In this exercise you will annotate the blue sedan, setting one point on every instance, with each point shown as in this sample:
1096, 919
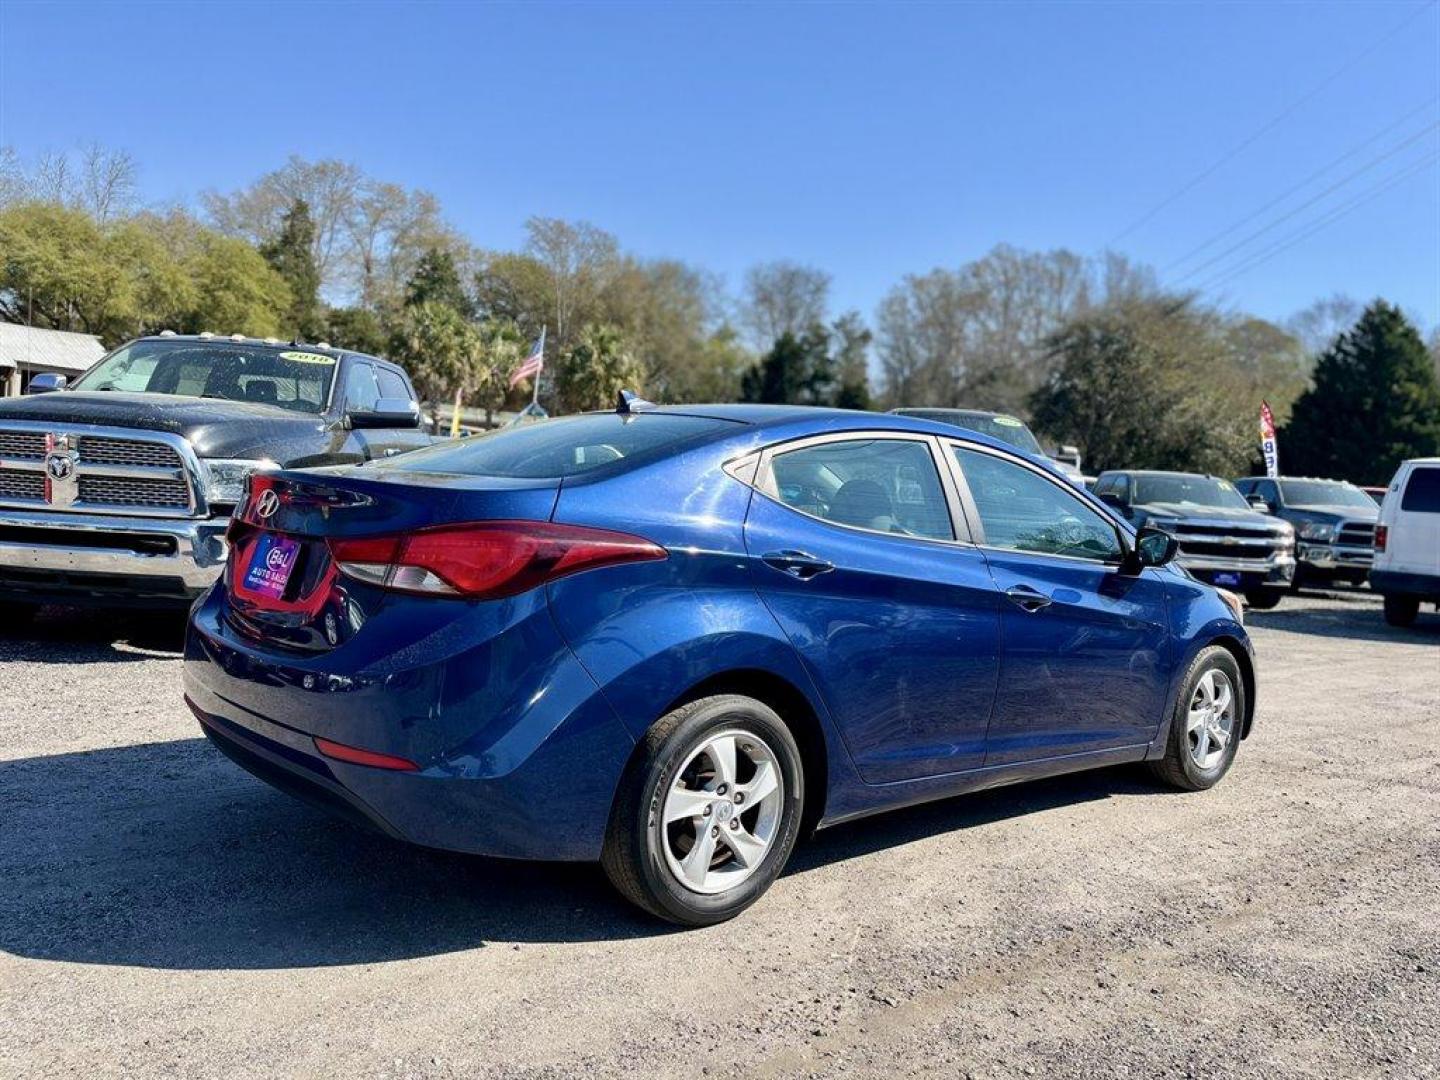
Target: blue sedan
676, 639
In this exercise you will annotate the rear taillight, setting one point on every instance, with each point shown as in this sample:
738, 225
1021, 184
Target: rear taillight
485, 559
1382, 534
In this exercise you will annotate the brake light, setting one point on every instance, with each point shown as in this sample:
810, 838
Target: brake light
1382, 534
485, 560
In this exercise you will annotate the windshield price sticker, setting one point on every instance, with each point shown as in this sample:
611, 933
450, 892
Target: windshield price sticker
307, 357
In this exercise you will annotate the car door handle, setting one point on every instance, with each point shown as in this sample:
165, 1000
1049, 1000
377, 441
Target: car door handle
1026, 598
798, 564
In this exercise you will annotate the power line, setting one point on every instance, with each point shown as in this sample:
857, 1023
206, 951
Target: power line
1386, 130
1317, 197
1369, 195
1270, 125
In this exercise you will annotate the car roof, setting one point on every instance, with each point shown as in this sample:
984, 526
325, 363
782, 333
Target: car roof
1163, 472
271, 343
1313, 479
920, 410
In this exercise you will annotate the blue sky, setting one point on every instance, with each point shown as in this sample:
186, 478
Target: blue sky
871, 141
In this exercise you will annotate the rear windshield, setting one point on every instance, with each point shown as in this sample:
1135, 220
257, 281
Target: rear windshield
1004, 428
292, 377
1422, 492
568, 446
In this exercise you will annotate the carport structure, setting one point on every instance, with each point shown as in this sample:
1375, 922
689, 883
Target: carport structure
26, 351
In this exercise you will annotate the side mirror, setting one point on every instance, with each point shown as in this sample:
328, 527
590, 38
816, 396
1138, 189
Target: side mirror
387, 413
1153, 547
1258, 502
46, 383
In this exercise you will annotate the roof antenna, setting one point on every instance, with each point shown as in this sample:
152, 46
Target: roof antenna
628, 403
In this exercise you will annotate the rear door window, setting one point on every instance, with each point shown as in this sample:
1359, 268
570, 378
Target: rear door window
1422, 492
883, 485
392, 385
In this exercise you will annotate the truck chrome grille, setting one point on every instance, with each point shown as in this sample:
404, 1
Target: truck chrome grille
101, 450
15, 484
134, 491
109, 470
1357, 534
22, 444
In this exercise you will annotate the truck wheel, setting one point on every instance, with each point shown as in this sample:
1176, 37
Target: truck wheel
14, 615
708, 811
1400, 610
1263, 599
1205, 729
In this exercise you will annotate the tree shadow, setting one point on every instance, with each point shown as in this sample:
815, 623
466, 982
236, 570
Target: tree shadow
165, 855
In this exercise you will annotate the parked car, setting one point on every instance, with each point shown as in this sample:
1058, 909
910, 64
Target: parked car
675, 639
118, 490
1008, 429
1334, 525
1223, 539
1407, 542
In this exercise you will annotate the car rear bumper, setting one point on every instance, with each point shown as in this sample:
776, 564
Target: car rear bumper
530, 775
1396, 582
61, 557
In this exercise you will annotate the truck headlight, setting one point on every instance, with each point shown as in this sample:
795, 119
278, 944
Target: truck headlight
1317, 531
1287, 538
225, 477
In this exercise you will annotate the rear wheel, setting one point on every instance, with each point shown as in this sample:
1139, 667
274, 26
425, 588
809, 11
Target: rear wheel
1401, 610
1205, 730
1263, 599
708, 811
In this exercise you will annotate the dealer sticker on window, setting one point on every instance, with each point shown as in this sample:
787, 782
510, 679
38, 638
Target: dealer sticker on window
307, 357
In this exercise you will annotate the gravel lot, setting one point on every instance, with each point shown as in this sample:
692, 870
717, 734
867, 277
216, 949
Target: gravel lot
162, 913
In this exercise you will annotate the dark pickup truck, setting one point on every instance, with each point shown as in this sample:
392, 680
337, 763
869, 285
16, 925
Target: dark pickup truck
118, 490
1223, 540
1334, 525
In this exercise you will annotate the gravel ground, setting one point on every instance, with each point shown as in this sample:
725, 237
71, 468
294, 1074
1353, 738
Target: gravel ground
163, 913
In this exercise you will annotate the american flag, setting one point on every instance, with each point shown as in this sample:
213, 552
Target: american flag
532, 364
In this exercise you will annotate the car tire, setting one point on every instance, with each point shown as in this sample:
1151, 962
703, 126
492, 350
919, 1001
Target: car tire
1401, 610
679, 767
14, 615
1192, 761
1264, 599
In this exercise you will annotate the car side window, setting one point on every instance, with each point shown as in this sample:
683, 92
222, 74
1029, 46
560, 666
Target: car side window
1269, 491
885, 485
361, 391
1021, 510
392, 385
1422, 492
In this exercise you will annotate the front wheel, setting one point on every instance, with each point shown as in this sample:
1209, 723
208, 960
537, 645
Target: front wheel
1263, 599
1205, 729
1401, 610
708, 811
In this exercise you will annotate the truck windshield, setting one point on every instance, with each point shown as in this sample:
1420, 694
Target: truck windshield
1189, 490
1323, 493
291, 378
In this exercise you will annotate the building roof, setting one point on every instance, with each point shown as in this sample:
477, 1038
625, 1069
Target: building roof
59, 350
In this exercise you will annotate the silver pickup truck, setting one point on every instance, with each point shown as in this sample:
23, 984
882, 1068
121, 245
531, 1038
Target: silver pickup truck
117, 490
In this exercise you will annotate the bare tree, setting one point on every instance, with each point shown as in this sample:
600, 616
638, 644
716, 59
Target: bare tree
14, 185
783, 297
580, 259
106, 185
1318, 324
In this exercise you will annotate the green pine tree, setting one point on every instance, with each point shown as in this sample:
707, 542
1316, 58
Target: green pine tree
292, 255
437, 281
1375, 402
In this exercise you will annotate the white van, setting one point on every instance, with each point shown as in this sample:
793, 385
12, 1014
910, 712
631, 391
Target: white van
1407, 542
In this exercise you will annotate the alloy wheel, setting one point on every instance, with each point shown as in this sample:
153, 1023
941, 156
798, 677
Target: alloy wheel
1211, 721
722, 811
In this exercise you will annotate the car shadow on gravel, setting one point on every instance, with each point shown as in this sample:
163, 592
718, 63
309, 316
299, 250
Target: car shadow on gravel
165, 856
73, 635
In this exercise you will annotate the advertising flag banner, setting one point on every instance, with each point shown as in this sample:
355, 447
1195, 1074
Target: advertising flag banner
1268, 448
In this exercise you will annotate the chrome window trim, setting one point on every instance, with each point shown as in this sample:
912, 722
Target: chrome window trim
764, 481
1067, 489
190, 467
